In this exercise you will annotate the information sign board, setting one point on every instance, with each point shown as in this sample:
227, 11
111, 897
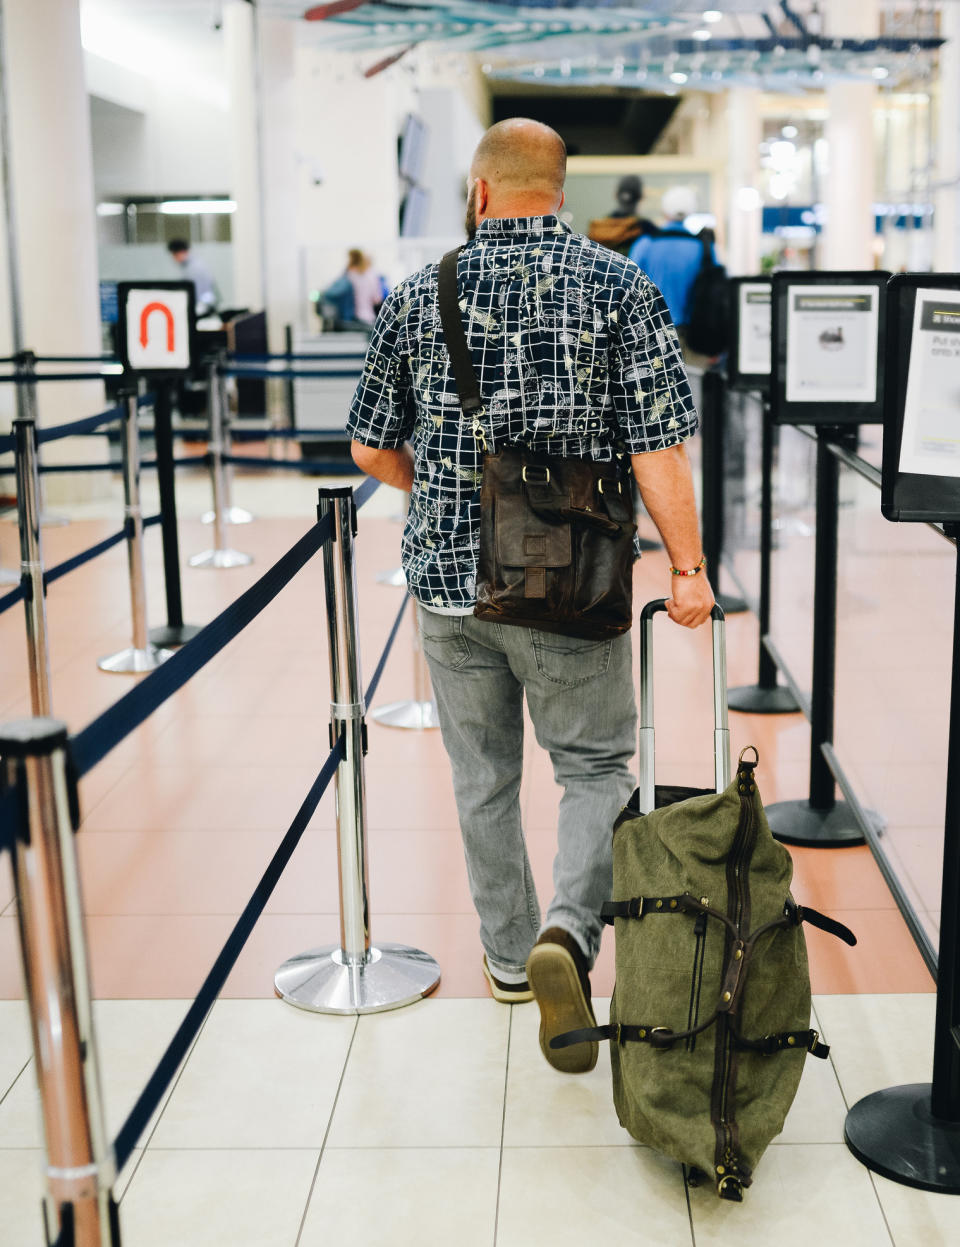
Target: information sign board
827, 329
156, 321
921, 434
748, 357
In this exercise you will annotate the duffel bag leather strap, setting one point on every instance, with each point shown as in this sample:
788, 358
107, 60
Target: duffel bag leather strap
620, 1032
464, 374
786, 1041
800, 913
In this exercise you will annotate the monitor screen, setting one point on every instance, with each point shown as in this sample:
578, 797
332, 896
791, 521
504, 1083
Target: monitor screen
412, 148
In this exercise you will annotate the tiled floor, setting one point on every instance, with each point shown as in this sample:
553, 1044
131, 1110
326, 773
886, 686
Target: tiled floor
439, 1121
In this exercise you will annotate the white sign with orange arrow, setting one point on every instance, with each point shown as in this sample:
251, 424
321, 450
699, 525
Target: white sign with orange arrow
158, 329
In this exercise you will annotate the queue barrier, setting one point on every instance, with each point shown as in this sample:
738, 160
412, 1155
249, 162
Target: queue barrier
39, 814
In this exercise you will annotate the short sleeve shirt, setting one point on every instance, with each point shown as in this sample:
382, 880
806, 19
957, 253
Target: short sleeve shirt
574, 350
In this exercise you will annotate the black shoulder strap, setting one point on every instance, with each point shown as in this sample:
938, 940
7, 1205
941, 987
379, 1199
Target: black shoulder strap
463, 371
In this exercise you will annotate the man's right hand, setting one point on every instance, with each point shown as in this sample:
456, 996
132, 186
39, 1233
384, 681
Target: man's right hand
692, 600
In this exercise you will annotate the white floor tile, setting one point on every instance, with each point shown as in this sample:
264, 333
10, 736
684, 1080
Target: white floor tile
217, 1198
262, 1075
546, 1108
817, 1114
21, 1192
572, 1196
919, 1218
407, 1197
131, 1038
431, 1075
801, 1195
15, 1045
878, 1041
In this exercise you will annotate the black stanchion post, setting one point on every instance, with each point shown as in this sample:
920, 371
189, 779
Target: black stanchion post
766, 696
79, 1210
712, 425
176, 631
821, 821
290, 383
911, 1133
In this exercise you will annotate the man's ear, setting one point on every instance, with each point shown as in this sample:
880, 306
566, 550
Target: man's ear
483, 197
563, 200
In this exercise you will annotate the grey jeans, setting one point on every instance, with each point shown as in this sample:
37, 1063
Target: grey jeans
581, 702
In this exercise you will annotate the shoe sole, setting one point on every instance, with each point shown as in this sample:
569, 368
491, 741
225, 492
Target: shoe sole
553, 976
505, 998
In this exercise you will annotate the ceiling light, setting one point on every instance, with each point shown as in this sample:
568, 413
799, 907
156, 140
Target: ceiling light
678, 77
712, 15
789, 132
185, 207
109, 209
880, 71
702, 35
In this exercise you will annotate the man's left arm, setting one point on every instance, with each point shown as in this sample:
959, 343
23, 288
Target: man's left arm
382, 412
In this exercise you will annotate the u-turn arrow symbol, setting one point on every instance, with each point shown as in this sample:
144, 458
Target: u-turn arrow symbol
145, 316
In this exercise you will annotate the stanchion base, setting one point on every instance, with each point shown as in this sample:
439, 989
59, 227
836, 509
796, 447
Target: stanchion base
730, 604
646, 544
393, 976
231, 515
395, 578
797, 822
135, 661
220, 558
417, 715
894, 1133
755, 699
174, 636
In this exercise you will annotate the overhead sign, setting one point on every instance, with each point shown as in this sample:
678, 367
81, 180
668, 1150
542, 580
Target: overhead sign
156, 326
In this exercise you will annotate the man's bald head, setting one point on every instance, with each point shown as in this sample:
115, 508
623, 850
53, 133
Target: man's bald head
521, 157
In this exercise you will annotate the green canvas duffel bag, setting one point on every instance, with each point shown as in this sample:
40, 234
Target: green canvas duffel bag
710, 1017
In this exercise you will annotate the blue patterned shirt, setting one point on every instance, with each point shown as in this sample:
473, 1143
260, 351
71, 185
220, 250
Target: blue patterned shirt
573, 347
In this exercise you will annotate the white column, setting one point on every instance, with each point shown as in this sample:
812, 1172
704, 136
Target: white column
240, 35
51, 168
849, 191
278, 96
744, 204
946, 221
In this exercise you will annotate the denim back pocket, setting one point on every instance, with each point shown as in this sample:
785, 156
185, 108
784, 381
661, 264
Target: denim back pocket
570, 660
443, 639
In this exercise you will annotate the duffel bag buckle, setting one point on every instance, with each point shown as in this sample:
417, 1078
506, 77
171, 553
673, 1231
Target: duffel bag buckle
661, 1045
542, 480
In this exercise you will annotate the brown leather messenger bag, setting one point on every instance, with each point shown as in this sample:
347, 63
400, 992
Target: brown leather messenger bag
556, 534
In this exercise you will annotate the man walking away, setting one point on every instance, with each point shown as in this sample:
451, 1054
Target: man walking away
193, 269
574, 350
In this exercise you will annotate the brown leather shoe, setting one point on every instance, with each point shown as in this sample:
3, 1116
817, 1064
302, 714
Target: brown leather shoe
558, 975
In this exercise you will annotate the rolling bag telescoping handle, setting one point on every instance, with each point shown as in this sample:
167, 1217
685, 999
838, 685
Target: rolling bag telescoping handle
721, 730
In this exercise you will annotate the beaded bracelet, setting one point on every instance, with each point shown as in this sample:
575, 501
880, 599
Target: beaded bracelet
694, 571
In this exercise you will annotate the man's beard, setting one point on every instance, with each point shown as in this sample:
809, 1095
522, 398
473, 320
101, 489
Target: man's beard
470, 221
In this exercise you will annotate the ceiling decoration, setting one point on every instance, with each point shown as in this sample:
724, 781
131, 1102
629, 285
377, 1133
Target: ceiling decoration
663, 45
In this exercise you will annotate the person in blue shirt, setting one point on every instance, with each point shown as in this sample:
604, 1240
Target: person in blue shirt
671, 258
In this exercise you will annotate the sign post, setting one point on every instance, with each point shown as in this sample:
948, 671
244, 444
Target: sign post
911, 1133
828, 370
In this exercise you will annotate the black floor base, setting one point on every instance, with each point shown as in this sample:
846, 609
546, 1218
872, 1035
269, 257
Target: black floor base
754, 699
167, 636
730, 604
797, 822
894, 1133
646, 544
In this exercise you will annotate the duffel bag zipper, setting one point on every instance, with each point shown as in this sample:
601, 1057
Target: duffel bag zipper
728, 1172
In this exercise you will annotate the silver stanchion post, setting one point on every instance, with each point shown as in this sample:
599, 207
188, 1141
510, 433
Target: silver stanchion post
31, 560
231, 514
78, 1206
142, 655
26, 367
221, 555
395, 577
419, 714
354, 976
